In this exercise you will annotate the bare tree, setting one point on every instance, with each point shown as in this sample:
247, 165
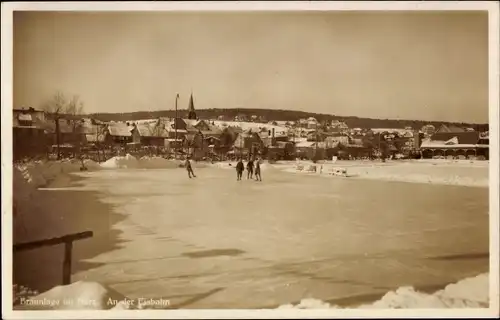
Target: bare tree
74, 106
100, 133
58, 107
74, 109
55, 108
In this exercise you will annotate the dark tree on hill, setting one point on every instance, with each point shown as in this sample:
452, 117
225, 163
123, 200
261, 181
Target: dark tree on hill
286, 115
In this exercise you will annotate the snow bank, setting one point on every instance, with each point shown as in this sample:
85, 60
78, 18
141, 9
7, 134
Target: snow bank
28, 204
308, 304
445, 173
40, 173
119, 162
467, 293
24, 200
146, 162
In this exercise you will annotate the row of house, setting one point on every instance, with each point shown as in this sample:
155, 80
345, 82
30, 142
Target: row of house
205, 138
454, 142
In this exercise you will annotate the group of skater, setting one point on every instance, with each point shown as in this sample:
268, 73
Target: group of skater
251, 165
253, 168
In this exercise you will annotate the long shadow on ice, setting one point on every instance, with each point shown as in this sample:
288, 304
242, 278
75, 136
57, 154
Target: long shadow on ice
56, 213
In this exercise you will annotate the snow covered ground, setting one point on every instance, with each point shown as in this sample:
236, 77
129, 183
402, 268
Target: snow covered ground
468, 293
441, 172
213, 242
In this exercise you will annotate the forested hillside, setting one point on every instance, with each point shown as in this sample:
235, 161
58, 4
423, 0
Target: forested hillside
288, 115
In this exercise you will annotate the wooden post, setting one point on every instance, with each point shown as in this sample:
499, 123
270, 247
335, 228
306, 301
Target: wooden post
68, 248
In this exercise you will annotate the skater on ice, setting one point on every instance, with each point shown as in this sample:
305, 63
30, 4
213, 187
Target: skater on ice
239, 169
189, 169
257, 170
250, 169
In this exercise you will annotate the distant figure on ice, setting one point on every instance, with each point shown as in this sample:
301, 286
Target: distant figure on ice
239, 169
250, 169
257, 171
189, 169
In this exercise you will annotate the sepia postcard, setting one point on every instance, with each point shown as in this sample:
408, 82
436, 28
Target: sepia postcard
295, 159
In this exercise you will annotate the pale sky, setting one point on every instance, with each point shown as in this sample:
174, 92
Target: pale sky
420, 65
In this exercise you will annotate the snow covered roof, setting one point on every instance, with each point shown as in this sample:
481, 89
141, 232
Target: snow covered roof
408, 134
192, 122
338, 139
462, 137
93, 137
120, 129
282, 123
24, 117
145, 129
211, 137
93, 132
152, 130
299, 139
449, 128
390, 130
452, 140
255, 127
146, 121
305, 144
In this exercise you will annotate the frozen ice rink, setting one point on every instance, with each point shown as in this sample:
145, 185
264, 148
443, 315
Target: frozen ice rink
213, 242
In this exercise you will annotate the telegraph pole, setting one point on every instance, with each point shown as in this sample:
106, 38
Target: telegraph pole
316, 145
175, 124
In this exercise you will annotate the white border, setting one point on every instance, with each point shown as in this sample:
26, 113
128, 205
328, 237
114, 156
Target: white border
6, 154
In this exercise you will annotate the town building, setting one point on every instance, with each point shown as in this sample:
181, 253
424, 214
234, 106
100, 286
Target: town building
191, 112
312, 123
305, 149
281, 150
241, 117
29, 135
248, 142
94, 131
152, 133
119, 134
452, 143
428, 130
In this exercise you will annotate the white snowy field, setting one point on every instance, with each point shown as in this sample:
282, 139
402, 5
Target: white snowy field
214, 242
441, 172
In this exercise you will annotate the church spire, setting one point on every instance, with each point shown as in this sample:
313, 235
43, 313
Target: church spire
191, 112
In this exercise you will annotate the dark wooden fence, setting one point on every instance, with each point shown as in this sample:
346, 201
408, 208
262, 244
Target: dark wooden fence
68, 248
